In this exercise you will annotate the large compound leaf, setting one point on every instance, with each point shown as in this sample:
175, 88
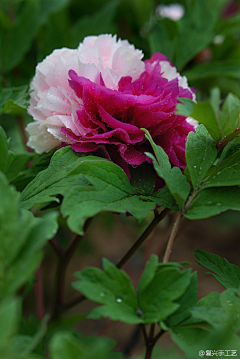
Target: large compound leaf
158, 288
110, 190
89, 185
22, 236
227, 274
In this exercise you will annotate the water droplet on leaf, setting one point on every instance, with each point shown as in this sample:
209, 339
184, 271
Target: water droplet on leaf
119, 300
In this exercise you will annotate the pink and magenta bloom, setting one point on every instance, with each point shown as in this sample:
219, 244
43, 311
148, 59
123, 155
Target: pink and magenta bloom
98, 97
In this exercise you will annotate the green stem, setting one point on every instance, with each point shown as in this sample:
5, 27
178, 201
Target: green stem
172, 237
158, 217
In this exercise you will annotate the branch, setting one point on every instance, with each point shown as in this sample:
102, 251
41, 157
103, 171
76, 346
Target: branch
144, 236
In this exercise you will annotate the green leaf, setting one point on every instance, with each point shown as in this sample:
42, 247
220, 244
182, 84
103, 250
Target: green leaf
175, 180
157, 293
149, 273
218, 123
229, 116
204, 113
227, 173
98, 23
186, 302
19, 259
65, 345
158, 288
196, 30
213, 201
160, 31
8, 326
185, 107
112, 289
110, 190
51, 6
228, 68
18, 165
54, 180
23, 178
14, 100
164, 198
6, 156
143, 178
24, 344
201, 152
214, 325
226, 273
16, 41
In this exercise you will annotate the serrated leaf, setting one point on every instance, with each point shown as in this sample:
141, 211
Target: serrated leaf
109, 190
226, 273
6, 156
173, 177
201, 152
19, 259
54, 180
112, 289
213, 201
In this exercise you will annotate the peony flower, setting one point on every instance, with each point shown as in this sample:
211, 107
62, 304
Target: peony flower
99, 96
